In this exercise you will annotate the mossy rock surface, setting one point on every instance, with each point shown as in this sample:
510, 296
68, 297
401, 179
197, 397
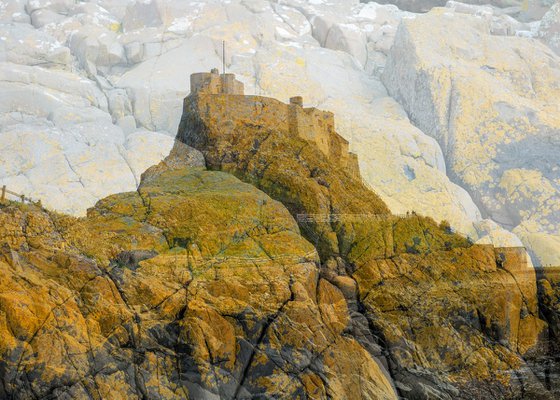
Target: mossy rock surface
454, 319
196, 286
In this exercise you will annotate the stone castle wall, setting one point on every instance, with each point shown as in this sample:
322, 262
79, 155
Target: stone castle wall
308, 123
229, 101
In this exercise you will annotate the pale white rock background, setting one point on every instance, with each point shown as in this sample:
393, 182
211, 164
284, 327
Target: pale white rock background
549, 27
91, 93
493, 104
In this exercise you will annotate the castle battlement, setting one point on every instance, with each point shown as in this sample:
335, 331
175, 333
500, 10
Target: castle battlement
215, 83
308, 123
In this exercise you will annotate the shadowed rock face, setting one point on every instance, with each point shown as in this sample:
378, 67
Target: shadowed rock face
449, 319
196, 286
547, 366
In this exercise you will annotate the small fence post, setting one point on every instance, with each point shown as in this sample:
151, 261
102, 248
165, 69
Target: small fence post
3, 193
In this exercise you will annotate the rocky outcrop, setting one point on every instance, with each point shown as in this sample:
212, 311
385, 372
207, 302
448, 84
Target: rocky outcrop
523, 10
298, 283
195, 286
488, 100
548, 365
449, 318
549, 28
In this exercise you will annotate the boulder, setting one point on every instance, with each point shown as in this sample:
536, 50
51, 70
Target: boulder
141, 14
96, 45
348, 38
14, 11
43, 17
22, 44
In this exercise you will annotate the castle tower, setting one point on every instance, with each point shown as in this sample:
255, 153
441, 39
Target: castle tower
295, 108
214, 83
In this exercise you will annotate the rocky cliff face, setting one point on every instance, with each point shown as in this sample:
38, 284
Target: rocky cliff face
449, 319
274, 273
297, 283
549, 298
491, 102
195, 286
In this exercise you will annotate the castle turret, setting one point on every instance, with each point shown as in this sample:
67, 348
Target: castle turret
216, 83
296, 100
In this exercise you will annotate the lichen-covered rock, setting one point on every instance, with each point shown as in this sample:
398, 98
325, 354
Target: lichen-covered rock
549, 29
491, 102
196, 286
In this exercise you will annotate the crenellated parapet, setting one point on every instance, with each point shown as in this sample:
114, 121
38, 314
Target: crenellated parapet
215, 83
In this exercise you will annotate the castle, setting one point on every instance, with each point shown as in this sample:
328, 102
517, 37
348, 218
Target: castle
215, 83
316, 126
